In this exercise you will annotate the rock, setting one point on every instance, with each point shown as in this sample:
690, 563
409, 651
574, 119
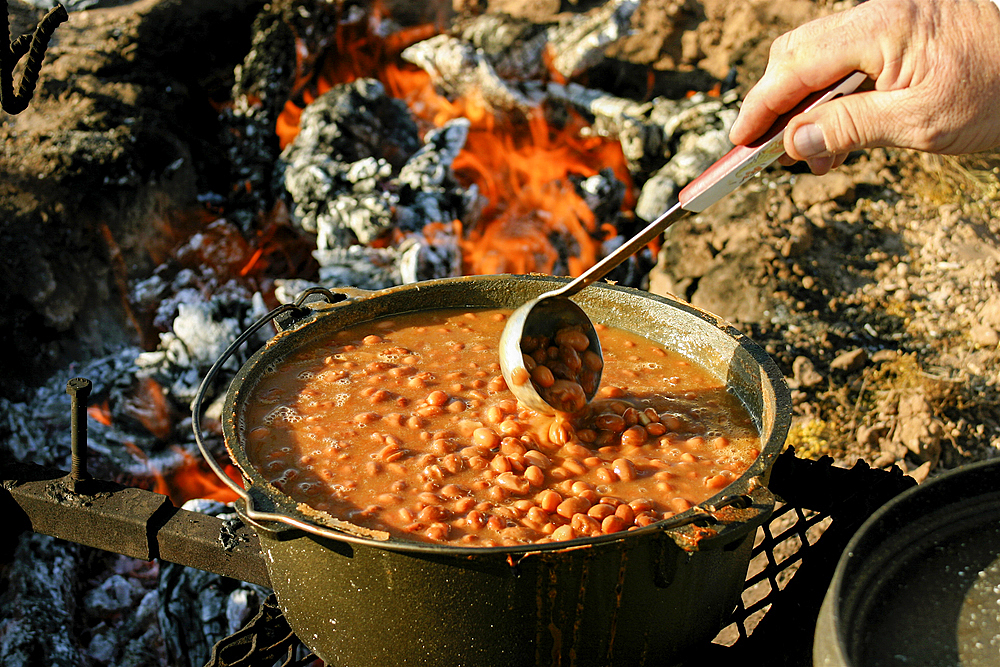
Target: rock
869, 436
850, 362
810, 189
989, 313
920, 472
984, 335
880, 356
804, 373
800, 238
917, 429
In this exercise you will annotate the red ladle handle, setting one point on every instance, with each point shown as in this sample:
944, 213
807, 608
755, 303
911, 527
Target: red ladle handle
744, 162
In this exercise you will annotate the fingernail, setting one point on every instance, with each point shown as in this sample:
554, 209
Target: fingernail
809, 141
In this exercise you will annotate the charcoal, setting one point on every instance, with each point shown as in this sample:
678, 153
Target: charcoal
199, 334
514, 47
346, 199
500, 59
351, 141
199, 608
603, 193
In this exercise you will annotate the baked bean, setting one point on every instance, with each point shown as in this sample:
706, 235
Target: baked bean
634, 436
563, 533
542, 376
500, 463
572, 505
624, 469
610, 422
570, 358
574, 466
485, 438
612, 524
537, 516
371, 340
438, 398
549, 500
511, 428
717, 482
680, 504
600, 511
513, 483
535, 476
537, 459
645, 519
584, 524
625, 513
573, 338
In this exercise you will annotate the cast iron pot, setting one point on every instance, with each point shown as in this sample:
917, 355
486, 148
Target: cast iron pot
919, 583
640, 597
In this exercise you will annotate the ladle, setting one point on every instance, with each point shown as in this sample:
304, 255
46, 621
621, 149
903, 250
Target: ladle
548, 313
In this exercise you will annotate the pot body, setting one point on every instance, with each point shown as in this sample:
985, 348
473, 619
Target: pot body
640, 597
633, 601
918, 583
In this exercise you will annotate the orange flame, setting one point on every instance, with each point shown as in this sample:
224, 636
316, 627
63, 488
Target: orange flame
193, 479
149, 406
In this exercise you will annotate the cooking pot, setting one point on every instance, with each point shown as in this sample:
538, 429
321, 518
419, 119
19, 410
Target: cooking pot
639, 597
919, 583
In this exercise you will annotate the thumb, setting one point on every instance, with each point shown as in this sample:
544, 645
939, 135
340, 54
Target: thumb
850, 123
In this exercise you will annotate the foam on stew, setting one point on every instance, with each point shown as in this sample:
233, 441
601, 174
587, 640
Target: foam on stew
406, 425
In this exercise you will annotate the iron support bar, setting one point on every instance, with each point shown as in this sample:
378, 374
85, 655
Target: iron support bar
130, 521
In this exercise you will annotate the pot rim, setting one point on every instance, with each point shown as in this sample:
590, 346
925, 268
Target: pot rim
727, 515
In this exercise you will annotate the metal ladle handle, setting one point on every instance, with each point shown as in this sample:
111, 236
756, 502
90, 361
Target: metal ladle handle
725, 175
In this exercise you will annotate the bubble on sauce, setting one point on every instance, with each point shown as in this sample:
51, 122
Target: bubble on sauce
285, 413
306, 375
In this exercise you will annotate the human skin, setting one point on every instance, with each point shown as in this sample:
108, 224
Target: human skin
935, 65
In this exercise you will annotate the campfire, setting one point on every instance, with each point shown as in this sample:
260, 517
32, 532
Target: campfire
353, 148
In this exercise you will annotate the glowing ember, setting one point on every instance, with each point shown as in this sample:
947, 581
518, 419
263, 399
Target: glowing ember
193, 479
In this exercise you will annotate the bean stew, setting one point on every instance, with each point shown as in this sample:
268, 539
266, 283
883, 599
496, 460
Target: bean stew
406, 425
